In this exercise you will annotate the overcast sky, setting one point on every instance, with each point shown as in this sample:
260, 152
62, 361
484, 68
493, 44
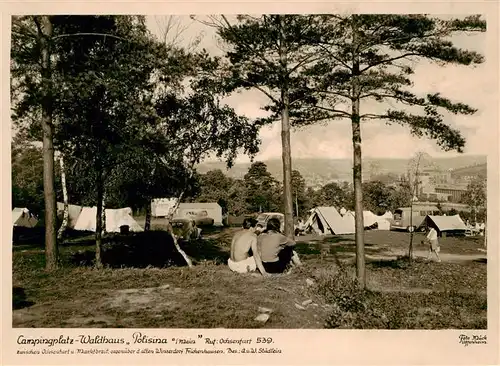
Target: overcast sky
472, 85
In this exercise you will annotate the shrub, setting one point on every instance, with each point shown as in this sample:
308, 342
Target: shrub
354, 308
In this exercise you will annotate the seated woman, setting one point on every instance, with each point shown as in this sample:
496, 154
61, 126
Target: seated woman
276, 250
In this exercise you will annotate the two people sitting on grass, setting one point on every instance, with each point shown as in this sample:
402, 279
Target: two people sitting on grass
244, 253
269, 251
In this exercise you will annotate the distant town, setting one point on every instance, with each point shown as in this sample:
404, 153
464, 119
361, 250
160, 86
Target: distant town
440, 179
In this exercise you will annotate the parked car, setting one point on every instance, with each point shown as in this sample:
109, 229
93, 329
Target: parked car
401, 217
201, 218
264, 217
185, 228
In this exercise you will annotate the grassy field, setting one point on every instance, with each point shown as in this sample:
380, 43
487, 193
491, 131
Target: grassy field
145, 285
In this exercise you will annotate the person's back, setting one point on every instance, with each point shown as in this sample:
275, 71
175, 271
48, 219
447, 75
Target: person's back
244, 254
270, 244
432, 235
275, 249
242, 244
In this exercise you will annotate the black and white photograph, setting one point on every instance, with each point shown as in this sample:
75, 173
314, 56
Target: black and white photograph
319, 171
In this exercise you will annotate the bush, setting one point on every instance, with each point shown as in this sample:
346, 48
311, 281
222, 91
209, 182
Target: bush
354, 308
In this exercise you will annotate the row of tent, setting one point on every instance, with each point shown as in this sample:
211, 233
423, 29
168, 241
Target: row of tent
327, 220
82, 218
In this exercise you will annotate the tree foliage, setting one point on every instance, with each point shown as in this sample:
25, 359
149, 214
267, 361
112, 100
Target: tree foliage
124, 106
215, 187
381, 51
262, 189
334, 194
475, 198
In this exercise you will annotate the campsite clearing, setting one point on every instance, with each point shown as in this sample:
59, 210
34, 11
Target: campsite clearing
210, 296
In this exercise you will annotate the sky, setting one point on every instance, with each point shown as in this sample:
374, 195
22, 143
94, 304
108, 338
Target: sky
471, 85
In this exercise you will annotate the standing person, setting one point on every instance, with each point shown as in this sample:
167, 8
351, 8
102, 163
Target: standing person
276, 250
432, 239
299, 229
244, 254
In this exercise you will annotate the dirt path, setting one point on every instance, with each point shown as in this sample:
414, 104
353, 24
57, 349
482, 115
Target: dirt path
445, 257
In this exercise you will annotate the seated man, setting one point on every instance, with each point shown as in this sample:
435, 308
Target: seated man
244, 254
276, 250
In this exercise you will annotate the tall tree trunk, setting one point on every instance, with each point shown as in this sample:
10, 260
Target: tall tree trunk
98, 222
103, 208
287, 169
171, 230
285, 142
147, 223
296, 204
357, 172
414, 193
65, 220
410, 247
51, 254
485, 230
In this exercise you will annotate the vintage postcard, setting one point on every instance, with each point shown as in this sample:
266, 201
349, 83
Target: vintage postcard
250, 183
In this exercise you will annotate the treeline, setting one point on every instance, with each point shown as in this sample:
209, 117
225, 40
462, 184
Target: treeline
259, 191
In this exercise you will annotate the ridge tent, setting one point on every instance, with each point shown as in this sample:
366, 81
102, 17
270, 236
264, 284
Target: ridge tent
373, 221
325, 220
387, 215
369, 218
446, 224
21, 217
382, 222
73, 213
114, 219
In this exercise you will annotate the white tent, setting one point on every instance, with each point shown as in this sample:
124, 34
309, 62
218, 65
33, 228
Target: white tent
73, 211
21, 217
327, 220
370, 219
387, 215
446, 223
114, 219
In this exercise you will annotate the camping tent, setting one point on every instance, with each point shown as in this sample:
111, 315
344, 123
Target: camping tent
114, 219
73, 211
202, 209
370, 220
327, 220
446, 224
21, 217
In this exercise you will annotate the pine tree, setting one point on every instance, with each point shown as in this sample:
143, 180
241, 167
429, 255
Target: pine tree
369, 57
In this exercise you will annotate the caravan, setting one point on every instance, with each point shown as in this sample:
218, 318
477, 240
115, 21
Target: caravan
411, 218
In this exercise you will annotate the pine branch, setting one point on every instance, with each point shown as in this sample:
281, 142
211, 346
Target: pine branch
389, 60
248, 48
338, 112
333, 56
90, 34
373, 116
